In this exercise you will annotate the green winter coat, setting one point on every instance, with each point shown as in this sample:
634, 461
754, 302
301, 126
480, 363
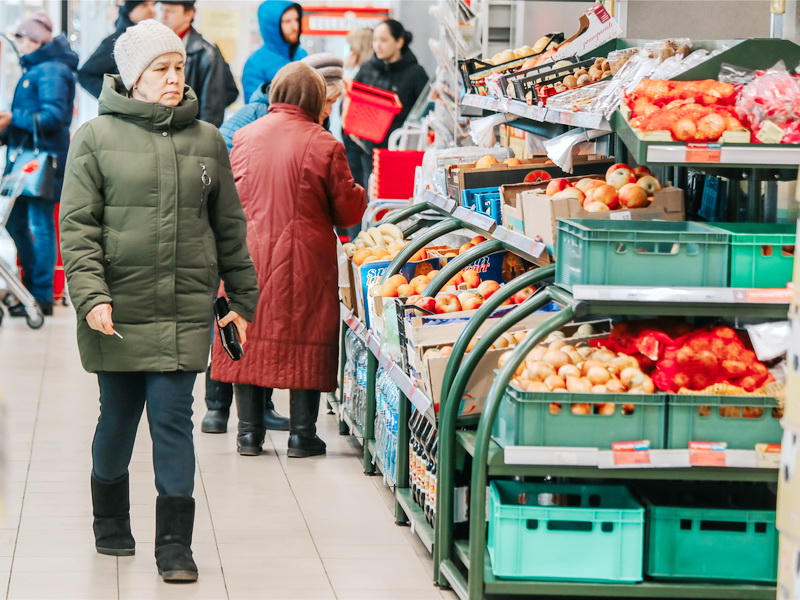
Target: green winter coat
143, 229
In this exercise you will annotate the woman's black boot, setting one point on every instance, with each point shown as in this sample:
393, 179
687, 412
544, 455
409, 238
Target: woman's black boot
219, 397
272, 420
250, 406
111, 508
303, 411
174, 526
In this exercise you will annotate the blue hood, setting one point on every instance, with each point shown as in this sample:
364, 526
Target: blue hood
58, 50
261, 94
269, 21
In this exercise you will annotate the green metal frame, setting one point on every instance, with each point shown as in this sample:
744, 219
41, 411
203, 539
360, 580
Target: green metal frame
396, 216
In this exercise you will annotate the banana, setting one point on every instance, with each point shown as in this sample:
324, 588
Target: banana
388, 240
369, 241
349, 249
376, 235
359, 243
392, 230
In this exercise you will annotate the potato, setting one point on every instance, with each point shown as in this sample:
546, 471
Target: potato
583, 80
571, 81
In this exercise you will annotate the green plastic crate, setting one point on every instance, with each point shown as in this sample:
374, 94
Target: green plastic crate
761, 254
524, 419
565, 532
658, 253
698, 418
711, 533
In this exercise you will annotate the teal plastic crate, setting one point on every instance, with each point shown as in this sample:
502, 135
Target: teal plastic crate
659, 253
526, 419
565, 532
740, 421
761, 254
711, 533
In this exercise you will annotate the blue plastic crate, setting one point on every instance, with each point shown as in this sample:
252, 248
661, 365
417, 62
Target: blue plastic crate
483, 200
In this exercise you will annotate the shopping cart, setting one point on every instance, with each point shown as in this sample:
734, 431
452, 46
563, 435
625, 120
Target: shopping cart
10, 189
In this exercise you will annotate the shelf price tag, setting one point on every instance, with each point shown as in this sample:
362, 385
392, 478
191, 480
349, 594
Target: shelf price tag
708, 454
703, 153
620, 215
631, 453
564, 117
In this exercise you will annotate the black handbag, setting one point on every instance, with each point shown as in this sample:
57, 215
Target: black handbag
37, 167
229, 335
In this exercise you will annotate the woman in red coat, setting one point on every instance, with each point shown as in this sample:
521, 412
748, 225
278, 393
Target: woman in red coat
295, 186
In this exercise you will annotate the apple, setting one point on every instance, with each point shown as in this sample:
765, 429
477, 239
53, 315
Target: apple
406, 290
513, 162
557, 185
523, 294
420, 288
427, 303
617, 166
620, 177
641, 171
390, 290
586, 184
487, 288
397, 279
596, 207
469, 300
413, 299
485, 162
447, 303
432, 274
421, 255
633, 196
606, 194
478, 239
569, 193
419, 279
466, 247
650, 184
471, 278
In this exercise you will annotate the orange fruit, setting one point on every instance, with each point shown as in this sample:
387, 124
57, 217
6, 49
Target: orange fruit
361, 255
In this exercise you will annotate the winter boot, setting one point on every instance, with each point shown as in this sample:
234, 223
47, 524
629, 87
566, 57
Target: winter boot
111, 508
272, 420
219, 396
174, 525
303, 411
250, 406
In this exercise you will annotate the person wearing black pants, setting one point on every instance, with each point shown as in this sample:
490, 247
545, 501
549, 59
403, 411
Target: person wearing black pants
219, 397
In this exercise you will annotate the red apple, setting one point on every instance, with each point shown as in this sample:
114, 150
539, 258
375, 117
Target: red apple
455, 281
650, 184
431, 274
523, 295
471, 278
633, 196
413, 299
572, 192
641, 171
487, 288
419, 279
447, 303
477, 240
596, 207
586, 184
427, 302
557, 185
620, 177
406, 290
469, 300
617, 166
606, 194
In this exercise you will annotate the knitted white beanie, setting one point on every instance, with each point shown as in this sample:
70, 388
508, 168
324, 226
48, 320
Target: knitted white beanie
140, 45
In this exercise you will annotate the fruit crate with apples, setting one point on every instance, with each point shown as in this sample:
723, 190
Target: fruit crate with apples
710, 533
761, 254
565, 532
574, 419
741, 422
648, 253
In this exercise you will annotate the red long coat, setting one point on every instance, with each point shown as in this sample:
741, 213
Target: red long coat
295, 185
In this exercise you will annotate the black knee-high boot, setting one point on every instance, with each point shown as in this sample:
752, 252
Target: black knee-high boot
303, 411
250, 401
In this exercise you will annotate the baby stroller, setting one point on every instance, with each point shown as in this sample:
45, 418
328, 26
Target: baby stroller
10, 187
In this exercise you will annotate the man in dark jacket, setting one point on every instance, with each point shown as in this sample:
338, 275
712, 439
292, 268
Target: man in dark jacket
90, 75
207, 73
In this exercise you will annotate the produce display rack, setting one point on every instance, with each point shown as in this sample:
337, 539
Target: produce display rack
537, 113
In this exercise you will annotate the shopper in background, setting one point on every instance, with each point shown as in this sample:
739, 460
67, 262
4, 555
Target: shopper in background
151, 220
328, 65
293, 198
393, 68
90, 75
43, 99
280, 24
207, 73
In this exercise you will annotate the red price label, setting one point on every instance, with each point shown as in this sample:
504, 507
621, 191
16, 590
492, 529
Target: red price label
631, 457
707, 458
703, 153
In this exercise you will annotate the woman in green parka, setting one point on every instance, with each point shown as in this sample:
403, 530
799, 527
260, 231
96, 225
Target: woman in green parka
150, 221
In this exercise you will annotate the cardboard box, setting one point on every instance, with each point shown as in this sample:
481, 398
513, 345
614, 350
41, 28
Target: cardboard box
348, 294
453, 178
788, 568
501, 266
788, 516
596, 27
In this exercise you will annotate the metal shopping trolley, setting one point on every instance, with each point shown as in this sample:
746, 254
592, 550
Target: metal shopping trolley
10, 188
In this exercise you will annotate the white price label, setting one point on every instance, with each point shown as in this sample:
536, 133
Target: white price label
620, 215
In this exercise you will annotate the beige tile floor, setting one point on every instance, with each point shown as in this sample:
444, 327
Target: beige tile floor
266, 527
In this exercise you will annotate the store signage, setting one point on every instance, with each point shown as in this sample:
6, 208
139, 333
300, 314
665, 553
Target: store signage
331, 20
703, 153
631, 453
708, 454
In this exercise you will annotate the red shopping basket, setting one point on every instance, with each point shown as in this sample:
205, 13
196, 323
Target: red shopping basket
370, 112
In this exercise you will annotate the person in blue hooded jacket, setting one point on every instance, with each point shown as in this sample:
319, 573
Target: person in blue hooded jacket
279, 21
45, 94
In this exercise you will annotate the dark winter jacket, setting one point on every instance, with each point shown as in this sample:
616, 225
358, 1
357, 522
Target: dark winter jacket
276, 52
255, 109
46, 89
150, 221
210, 77
406, 78
295, 187
90, 75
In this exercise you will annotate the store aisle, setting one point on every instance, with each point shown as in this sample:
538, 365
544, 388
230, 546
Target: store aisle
266, 527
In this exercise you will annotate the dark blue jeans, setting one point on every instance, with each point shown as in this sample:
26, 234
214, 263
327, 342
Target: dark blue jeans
168, 398
33, 230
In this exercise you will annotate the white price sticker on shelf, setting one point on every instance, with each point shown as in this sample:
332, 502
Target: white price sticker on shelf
620, 215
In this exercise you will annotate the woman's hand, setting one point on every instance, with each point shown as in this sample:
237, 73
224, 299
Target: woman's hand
99, 319
239, 321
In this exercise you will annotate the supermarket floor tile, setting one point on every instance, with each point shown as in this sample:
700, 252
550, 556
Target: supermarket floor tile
266, 527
